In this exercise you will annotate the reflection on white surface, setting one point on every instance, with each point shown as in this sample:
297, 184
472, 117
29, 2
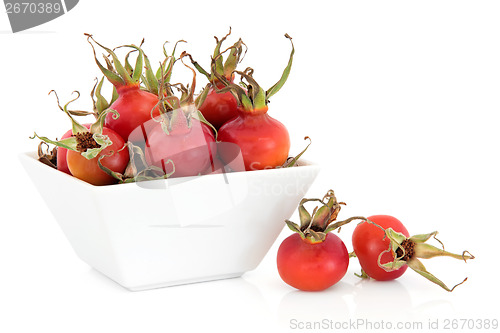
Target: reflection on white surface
363, 302
381, 299
199, 307
301, 306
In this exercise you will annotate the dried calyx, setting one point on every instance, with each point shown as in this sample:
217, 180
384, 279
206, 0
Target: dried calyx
408, 251
88, 141
250, 96
138, 169
223, 68
99, 102
178, 112
293, 161
118, 74
314, 227
153, 79
48, 157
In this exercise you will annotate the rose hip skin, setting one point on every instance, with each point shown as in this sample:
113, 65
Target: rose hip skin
263, 140
190, 149
134, 106
219, 108
312, 266
62, 164
88, 170
369, 241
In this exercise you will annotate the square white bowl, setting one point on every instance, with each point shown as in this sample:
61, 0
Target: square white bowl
175, 231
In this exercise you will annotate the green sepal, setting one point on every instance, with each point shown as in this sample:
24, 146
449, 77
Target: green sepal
395, 237
120, 69
150, 79
255, 93
253, 97
200, 117
423, 237
171, 60
120, 75
427, 251
116, 175
97, 127
114, 96
128, 66
137, 169
131, 75
189, 98
337, 225
277, 86
219, 65
200, 69
315, 237
420, 250
113, 77
294, 160
76, 127
233, 59
200, 99
320, 218
102, 140
418, 267
305, 217
392, 265
68, 143
238, 92
314, 227
362, 275
294, 227
100, 103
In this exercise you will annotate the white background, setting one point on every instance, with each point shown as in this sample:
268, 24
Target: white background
401, 99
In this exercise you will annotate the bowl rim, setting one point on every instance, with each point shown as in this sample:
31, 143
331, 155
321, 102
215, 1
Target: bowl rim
32, 157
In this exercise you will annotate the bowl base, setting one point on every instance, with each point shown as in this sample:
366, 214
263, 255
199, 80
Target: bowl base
181, 282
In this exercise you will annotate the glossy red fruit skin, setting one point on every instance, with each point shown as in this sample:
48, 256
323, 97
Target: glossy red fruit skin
191, 150
134, 106
89, 171
368, 242
263, 140
219, 108
312, 266
62, 164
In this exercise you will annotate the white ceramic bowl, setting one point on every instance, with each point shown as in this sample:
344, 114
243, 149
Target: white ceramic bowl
168, 232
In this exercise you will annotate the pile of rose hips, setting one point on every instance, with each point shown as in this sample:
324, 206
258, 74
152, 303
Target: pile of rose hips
147, 132
314, 259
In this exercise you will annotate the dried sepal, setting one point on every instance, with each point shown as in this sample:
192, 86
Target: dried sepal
314, 227
408, 251
305, 217
102, 140
249, 95
418, 267
286, 72
117, 73
292, 161
137, 169
294, 227
179, 112
47, 157
219, 67
99, 103
95, 132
